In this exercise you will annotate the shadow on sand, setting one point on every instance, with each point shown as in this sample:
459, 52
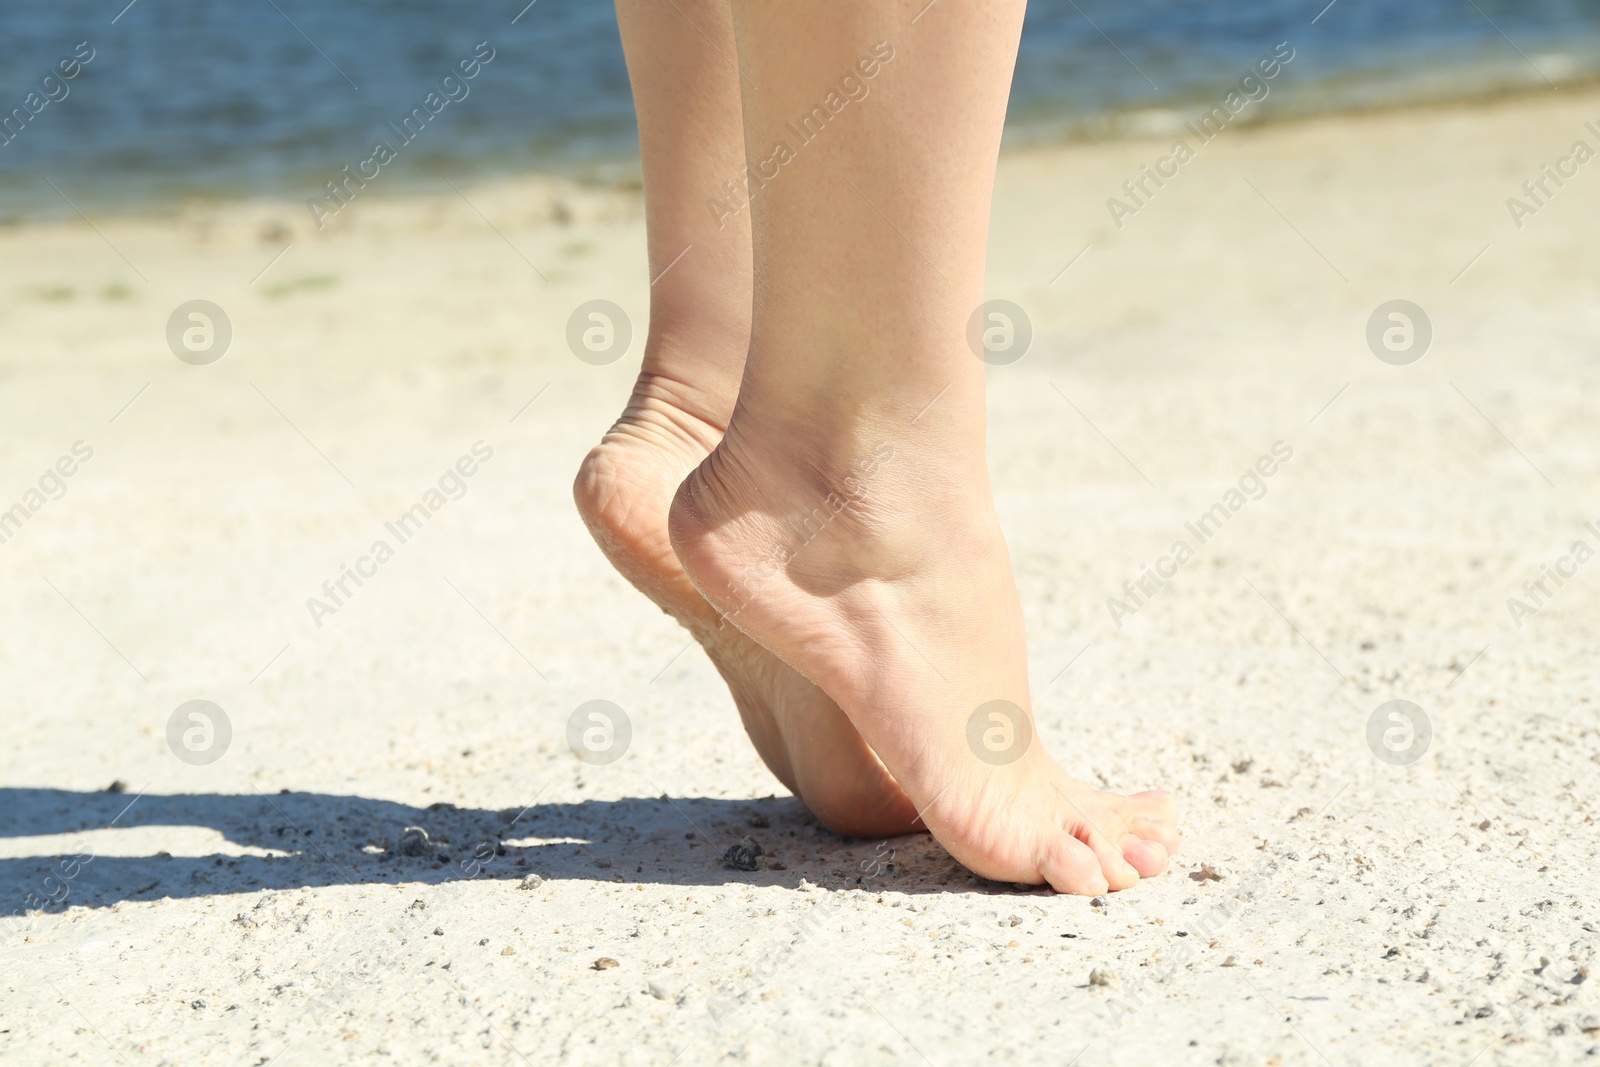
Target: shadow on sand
320, 839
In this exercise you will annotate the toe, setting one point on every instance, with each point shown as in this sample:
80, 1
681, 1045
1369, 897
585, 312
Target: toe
1158, 830
1149, 858
1070, 866
1152, 815
1120, 874
1152, 804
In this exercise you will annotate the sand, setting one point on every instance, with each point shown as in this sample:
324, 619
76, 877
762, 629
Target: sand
1327, 906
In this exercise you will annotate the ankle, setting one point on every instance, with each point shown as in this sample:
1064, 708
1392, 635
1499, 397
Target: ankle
821, 389
690, 375
833, 511
702, 348
930, 435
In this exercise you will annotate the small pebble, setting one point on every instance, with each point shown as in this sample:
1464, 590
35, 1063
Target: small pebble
605, 963
414, 842
745, 856
1102, 976
532, 881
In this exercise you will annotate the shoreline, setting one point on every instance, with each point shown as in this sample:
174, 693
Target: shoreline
612, 176
1154, 123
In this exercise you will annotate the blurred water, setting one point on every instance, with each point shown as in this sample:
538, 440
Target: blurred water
273, 97
1099, 67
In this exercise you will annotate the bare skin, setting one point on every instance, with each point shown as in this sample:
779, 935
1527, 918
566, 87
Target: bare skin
839, 511
680, 61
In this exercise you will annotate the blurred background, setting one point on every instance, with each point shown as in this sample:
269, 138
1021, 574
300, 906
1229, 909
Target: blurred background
188, 99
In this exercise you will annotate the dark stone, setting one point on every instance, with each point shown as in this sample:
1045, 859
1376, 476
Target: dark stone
414, 842
745, 856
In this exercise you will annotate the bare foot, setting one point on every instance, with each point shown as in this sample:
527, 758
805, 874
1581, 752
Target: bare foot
623, 491
866, 553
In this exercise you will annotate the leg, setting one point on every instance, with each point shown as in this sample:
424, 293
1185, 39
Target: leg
845, 520
687, 93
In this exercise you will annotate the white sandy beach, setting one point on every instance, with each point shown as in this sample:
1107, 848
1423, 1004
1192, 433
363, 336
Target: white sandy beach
1327, 907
